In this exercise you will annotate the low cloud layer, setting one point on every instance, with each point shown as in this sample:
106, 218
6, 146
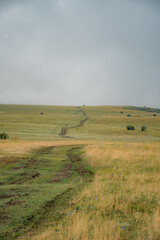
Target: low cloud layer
72, 52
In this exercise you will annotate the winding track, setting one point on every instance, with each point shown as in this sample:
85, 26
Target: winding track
63, 132
52, 210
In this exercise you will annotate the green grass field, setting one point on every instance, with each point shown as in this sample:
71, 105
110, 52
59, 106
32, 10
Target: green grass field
29, 185
77, 173
104, 123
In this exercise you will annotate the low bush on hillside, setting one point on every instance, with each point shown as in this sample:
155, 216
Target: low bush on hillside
143, 128
154, 115
4, 135
130, 127
128, 115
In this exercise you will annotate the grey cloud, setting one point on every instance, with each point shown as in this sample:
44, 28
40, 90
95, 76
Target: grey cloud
74, 52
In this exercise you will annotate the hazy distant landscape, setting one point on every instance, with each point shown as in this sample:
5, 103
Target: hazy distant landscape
79, 173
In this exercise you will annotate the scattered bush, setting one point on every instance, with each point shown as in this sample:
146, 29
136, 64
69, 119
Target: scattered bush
4, 136
154, 115
128, 115
143, 128
130, 127
121, 112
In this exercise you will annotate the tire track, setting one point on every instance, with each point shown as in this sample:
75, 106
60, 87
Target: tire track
52, 210
64, 130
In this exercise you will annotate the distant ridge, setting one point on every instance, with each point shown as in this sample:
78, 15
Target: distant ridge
147, 109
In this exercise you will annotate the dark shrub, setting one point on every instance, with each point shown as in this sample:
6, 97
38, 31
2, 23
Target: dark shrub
143, 128
121, 112
128, 115
130, 127
154, 115
4, 136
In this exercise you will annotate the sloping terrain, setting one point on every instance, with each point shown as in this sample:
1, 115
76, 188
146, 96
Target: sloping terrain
24, 122
77, 173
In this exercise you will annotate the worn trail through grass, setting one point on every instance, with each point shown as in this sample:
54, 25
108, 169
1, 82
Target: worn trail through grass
35, 186
64, 130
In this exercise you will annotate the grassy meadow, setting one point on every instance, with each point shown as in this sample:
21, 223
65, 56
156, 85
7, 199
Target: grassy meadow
99, 181
104, 123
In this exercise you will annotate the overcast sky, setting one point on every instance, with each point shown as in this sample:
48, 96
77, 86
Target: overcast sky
74, 52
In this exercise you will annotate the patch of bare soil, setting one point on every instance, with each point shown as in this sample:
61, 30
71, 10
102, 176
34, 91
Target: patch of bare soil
8, 160
3, 217
73, 157
45, 150
81, 170
81, 123
3, 196
63, 131
18, 167
13, 202
25, 177
66, 172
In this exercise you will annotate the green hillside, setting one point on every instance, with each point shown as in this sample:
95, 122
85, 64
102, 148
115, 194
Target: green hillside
104, 123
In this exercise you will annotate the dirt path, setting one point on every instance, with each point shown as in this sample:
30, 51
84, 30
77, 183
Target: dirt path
63, 132
57, 206
67, 170
28, 177
53, 211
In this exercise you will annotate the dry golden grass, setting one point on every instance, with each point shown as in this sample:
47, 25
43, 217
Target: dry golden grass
103, 153
122, 202
20, 147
